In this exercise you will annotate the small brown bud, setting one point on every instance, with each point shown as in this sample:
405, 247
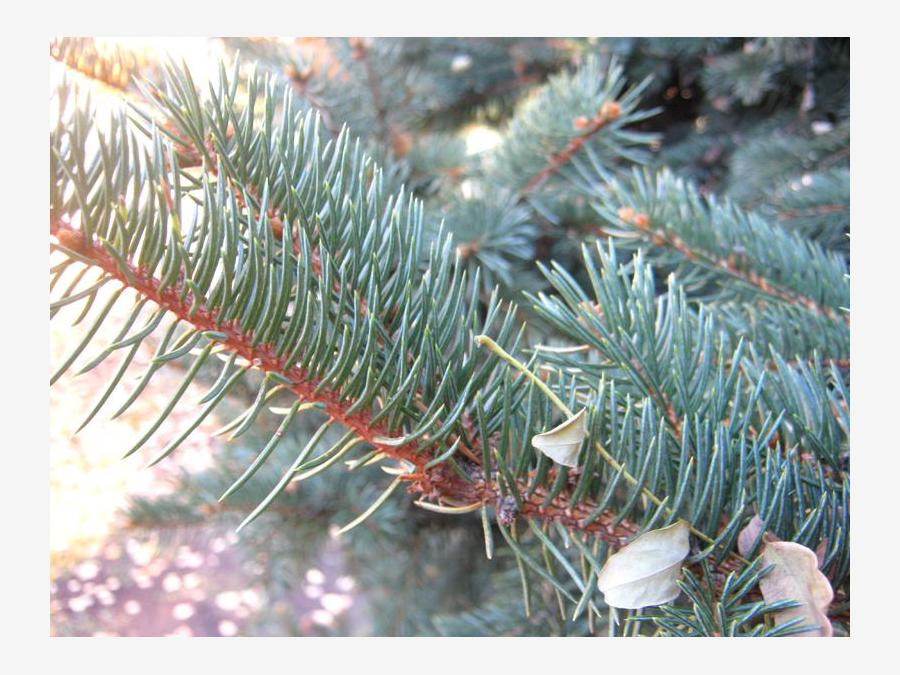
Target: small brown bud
581, 122
277, 226
610, 110
626, 213
642, 221
72, 239
465, 249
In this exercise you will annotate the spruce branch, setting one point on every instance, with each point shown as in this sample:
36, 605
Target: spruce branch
734, 259
435, 483
609, 112
578, 117
284, 253
659, 236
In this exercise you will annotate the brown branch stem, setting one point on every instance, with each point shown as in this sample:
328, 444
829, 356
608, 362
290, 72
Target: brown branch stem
440, 483
661, 237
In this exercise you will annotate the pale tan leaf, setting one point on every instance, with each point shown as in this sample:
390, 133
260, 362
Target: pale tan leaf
796, 576
644, 573
562, 443
749, 534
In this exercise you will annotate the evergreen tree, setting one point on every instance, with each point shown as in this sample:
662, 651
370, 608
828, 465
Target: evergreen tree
651, 260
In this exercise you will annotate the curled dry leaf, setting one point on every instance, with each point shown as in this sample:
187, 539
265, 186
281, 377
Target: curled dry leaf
751, 534
562, 443
796, 576
644, 573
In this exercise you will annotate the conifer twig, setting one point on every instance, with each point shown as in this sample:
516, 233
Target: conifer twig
485, 341
609, 112
661, 237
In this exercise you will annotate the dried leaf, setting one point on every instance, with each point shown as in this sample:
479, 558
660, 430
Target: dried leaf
562, 443
796, 576
643, 573
750, 535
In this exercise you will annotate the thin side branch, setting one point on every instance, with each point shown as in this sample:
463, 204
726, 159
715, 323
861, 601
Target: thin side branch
609, 112
661, 237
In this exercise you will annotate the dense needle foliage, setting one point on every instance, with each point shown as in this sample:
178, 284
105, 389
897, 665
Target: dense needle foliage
657, 236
